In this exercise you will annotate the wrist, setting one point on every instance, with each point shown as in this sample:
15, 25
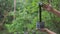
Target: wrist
50, 32
46, 29
51, 9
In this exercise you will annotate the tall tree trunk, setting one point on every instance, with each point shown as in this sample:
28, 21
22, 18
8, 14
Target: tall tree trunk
14, 8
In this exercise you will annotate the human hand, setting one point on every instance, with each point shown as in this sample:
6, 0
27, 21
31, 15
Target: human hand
43, 29
47, 7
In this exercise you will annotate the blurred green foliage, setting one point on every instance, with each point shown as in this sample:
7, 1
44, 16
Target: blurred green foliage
27, 15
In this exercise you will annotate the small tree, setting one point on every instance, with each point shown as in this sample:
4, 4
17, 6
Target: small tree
5, 7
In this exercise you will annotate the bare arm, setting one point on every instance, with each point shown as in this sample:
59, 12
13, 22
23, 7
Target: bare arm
49, 31
55, 12
50, 9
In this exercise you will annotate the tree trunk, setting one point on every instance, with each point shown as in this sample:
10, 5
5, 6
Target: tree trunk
14, 9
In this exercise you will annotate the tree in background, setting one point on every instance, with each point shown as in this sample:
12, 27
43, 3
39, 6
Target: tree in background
5, 7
